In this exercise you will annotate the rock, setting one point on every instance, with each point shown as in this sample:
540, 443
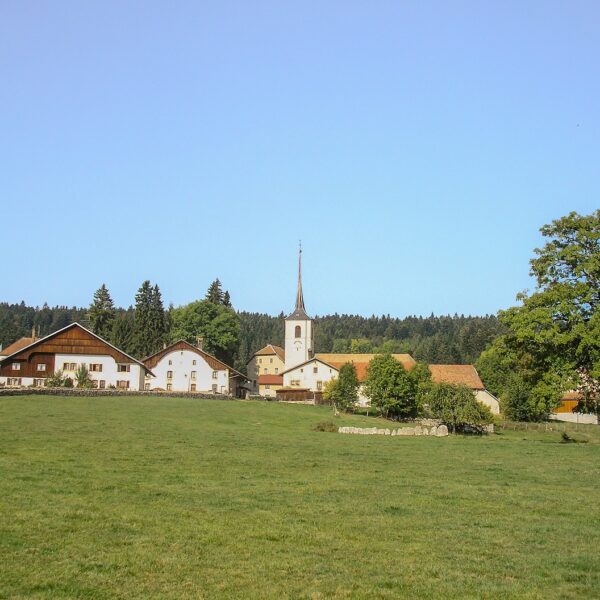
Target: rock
418, 430
442, 431
393, 432
406, 431
433, 430
388, 432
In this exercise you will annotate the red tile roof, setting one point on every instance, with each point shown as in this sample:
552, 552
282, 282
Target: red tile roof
271, 349
361, 361
458, 374
270, 380
16, 346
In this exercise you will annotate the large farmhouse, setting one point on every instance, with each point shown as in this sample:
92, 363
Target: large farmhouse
30, 361
298, 373
182, 367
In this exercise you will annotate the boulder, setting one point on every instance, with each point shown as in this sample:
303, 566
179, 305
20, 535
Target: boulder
433, 430
442, 431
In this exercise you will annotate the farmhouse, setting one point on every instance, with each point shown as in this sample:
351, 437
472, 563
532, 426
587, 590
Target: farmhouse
265, 369
66, 350
183, 367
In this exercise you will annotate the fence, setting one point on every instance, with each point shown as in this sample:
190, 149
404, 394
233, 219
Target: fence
560, 426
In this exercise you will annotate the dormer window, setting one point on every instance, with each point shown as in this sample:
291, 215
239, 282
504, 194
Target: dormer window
298, 331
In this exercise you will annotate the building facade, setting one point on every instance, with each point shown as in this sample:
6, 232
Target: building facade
66, 350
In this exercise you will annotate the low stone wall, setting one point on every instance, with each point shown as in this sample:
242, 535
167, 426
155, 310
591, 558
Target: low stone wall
44, 391
436, 431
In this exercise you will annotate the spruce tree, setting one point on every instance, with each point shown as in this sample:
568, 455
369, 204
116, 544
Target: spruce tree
215, 292
142, 320
158, 321
227, 300
122, 333
101, 313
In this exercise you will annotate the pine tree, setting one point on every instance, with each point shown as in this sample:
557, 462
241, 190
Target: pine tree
227, 300
142, 320
214, 293
122, 332
158, 321
101, 313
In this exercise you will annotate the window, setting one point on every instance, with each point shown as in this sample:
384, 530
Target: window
169, 374
96, 368
319, 386
266, 371
69, 367
102, 384
123, 385
301, 370
194, 363
276, 370
315, 369
193, 375
169, 387
215, 374
147, 386
14, 381
214, 388
16, 366
94, 383
193, 387
259, 360
123, 368
39, 382
267, 387
298, 331
271, 361
170, 362
41, 367
295, 382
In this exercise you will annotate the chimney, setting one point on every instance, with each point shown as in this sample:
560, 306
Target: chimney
199, 342
33, 336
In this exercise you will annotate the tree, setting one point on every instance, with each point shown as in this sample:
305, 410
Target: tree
227, 300
56, 379
122, 332
214, 293
82, 377
158, 321
149, 321
393, 390
552, 337
217, 324
456, 406
342, 392
101, 313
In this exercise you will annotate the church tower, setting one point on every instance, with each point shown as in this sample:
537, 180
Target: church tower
299, 343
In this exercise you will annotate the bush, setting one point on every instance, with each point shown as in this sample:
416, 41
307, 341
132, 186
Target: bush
68, 382
55, 380
327, 426
343, 391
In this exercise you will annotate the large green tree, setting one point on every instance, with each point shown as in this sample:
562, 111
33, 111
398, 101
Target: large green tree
216, 323
553, 336
101, 313
149, 321
393, 390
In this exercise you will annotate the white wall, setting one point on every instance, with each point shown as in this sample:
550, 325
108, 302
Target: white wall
109, 372
585, 418
298, 350
182, 365
307, 377
489, 400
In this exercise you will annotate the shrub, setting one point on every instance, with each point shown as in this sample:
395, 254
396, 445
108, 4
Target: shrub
68, 382
327, 426
55, 380
82, 377
343, 391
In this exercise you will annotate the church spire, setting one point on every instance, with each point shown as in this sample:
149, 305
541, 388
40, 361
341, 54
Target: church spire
299, 309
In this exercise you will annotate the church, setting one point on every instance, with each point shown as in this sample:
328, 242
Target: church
296, 372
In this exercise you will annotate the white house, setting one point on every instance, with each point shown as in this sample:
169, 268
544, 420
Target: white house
66, 350
183, 367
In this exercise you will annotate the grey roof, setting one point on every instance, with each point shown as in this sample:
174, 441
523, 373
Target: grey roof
299, 310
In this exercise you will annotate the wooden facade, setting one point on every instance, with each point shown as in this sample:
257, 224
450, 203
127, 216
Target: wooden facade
73, 339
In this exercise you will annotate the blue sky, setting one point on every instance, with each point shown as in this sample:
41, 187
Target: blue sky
414, 147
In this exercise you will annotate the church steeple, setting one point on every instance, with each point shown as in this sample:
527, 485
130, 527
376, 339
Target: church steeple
299, 310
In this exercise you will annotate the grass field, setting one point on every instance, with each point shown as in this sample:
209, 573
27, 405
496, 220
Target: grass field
154, 498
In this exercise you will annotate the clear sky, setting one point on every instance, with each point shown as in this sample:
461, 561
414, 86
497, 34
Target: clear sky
414, 147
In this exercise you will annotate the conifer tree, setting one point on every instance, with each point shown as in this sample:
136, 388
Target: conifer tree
101, 313
214, 293
142, 320
227, 300
122, 332
158, 321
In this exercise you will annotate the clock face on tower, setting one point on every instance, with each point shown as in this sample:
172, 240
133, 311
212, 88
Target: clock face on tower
297, 344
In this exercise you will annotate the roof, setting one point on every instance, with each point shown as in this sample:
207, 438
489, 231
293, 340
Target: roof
306, 362
457, 374
52, 335
216, 364
271, 349
361, 361
16, 346
270, 380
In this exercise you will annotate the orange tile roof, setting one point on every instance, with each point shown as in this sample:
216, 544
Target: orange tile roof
270, 349
459, 374
361, 361
270, 380
16, 346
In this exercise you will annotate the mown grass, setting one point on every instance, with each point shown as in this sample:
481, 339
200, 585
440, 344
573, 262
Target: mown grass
155, 498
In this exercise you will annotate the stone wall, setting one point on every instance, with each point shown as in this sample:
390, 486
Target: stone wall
419, 430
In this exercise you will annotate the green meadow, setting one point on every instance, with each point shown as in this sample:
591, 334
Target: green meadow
180, 498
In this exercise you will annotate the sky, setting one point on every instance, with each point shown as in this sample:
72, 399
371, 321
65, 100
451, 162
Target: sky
415, 148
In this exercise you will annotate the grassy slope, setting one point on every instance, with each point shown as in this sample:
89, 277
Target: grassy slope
138, 498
